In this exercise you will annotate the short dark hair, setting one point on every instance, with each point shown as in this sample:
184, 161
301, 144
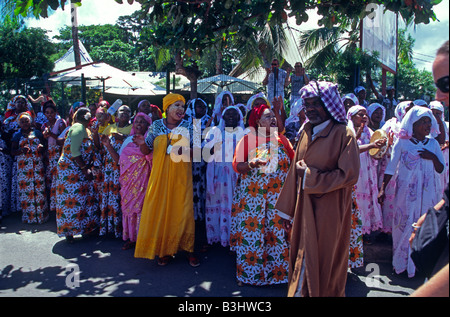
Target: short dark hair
49, 104
443, 50
79, 115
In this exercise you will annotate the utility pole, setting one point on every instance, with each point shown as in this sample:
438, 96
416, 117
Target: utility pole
76, 46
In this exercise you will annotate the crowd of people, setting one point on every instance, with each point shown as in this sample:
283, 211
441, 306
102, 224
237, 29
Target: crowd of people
294, 197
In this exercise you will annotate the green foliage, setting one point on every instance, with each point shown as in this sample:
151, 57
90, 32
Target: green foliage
111, 44
24, 52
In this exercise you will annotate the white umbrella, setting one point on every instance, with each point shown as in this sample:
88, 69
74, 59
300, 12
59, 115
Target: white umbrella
104, 76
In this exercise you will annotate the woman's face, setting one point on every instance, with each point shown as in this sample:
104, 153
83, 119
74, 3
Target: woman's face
176, 111
124, 115
377, 115
101, 117
145, 107
231, 118
50, 114
437, 113
155, 113
422, 127
226, 101
258, 102
362, 95
21, 105
359, 118
25, 123
348, 103
140, 125
200, 109
93, 108
268, 120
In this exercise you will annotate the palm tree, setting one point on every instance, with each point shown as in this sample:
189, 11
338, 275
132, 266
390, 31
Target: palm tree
322, 45
259, 51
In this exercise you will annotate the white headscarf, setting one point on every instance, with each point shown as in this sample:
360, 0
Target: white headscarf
296, 108
420, 102
351, 112
371, 109
413, 115
437, 106
190, 108
352, 97
221, 125
252, 99
400, 110
218, 105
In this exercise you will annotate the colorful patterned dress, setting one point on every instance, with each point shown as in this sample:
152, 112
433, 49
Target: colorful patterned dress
356, 257
221, 182
199, 172
110, 208
135, 169
257, 234
32, 197
366, 190
76, 206
418, 189
54, 153
5, 178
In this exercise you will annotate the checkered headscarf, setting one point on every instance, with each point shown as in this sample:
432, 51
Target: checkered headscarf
329, 94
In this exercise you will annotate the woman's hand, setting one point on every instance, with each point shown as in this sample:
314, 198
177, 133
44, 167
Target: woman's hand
360, 130
88, 174
426, 154
381, 196
256, 163
378, 143
105, 140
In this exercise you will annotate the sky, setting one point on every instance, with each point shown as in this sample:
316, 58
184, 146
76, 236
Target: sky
92, 12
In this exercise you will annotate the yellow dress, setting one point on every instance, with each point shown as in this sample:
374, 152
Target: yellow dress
167, 220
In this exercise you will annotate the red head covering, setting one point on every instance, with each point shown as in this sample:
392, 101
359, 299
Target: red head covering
256, 114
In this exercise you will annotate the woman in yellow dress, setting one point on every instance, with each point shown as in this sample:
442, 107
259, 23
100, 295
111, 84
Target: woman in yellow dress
167, 220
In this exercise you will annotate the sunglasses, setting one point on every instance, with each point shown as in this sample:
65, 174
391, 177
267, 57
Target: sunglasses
442, 84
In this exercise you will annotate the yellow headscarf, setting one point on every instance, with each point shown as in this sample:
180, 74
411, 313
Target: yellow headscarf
170, 99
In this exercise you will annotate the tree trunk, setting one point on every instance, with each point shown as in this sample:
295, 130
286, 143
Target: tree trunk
219, 62
192, 73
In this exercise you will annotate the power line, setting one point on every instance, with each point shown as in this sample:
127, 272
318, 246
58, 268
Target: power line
422, 60
424, 55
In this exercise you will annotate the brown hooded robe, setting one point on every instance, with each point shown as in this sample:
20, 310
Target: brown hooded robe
321, 211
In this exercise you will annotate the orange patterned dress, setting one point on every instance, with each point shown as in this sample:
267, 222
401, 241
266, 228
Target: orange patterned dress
257, 234
31, 179
76, 206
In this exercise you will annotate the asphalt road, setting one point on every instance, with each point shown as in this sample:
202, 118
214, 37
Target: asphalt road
35, 262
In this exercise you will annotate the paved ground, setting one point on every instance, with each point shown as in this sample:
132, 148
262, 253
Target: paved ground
34, 262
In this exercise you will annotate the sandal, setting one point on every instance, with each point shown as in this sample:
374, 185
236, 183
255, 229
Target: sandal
164, 260
193, 260
128, 245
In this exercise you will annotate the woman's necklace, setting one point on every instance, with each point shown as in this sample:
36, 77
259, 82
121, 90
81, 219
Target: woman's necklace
417, 141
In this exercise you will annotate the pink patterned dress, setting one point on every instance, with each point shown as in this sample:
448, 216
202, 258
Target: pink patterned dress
366, 189
135, 169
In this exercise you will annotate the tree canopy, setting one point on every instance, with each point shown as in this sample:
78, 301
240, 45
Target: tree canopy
331, 11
